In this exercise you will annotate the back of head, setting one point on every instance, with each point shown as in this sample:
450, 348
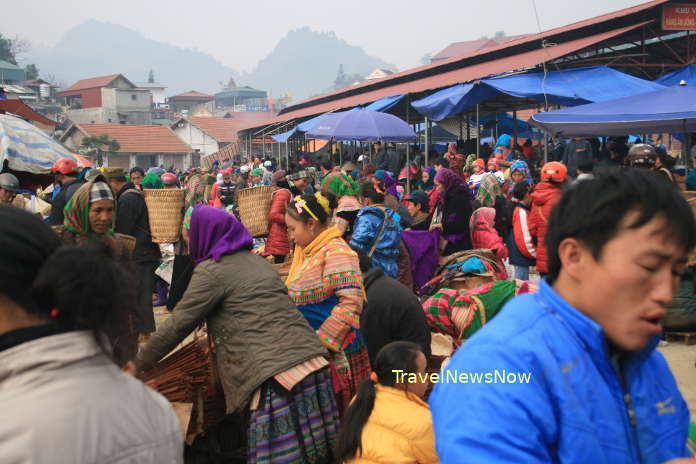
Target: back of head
318, 206
73, 288
369, 191
586, 166
520, 190
395, 356
442, 162
592, 211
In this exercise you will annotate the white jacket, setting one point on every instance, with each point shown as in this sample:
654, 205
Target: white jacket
63, 401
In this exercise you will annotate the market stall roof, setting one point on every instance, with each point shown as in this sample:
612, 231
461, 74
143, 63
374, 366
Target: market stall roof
687, 73
671, 109
443, 77
27, 148
23, 110
567, 87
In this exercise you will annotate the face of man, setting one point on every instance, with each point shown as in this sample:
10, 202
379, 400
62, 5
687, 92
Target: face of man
136, 178
517, 176
255, 179
227, 178
626, 290
413, 208
6, 196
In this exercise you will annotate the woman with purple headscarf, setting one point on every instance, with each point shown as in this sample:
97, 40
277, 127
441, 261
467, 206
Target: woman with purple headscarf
453, 212
272, 366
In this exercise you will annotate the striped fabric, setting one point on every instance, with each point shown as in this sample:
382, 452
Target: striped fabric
297, 426
294, 375
333, 271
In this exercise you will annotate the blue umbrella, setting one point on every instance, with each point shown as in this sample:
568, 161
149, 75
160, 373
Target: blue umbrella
362, 125
27, 148
671, 109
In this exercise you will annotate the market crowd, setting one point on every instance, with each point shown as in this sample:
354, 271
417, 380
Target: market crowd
492, 265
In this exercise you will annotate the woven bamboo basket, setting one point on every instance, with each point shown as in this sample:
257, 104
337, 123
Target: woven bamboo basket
254, 205
165, 213
691, 199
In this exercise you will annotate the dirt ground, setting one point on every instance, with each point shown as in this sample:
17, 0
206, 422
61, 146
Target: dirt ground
681, 359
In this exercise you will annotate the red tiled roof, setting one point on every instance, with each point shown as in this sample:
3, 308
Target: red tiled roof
192, 95
90, 83
471, 46
135, 138
225, 129
444, 79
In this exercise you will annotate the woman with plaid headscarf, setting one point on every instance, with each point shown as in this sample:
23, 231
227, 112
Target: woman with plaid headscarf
453, 211
90, 214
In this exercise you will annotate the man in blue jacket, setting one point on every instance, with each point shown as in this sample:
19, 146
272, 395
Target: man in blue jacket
571, 374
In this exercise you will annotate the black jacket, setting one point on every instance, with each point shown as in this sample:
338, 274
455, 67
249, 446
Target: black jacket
132, 219
382, 159
394, 163
456, 214
58, 205
392, 313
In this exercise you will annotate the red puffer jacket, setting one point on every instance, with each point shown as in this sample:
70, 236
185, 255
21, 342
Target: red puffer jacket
544, 198
277, 243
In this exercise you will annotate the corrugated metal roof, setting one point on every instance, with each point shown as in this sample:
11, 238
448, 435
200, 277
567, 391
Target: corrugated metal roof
471, 46
135, 138
476, 71
430, 69
21, 109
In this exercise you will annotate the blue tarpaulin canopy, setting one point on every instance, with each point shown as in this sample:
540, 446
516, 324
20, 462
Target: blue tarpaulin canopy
453, 100
671, 109
567, 87
285, 136
687, 73
383, 104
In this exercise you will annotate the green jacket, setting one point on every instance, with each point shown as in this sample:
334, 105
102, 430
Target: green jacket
256, 328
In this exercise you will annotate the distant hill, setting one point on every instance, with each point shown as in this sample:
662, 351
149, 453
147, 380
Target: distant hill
303, 63
306, 62
97, 48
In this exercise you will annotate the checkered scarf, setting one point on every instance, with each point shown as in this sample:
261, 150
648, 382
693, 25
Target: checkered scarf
195, 190
298, 175
489, 189
100, 191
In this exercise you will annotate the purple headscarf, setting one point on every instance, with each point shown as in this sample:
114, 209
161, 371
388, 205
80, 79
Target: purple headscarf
215, 233
448, 178
387, 181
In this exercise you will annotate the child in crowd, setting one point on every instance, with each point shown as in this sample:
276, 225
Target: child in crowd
388, 421
479, 167
520, 242
484, 235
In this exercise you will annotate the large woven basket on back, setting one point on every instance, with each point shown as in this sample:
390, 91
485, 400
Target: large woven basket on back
254, 205
165, 212
691, 199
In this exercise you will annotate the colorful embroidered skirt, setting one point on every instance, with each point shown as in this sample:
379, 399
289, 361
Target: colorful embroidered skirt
296, 426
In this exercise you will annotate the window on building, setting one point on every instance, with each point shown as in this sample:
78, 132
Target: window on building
134, 97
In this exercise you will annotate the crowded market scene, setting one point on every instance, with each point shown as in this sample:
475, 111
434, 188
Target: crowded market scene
490, 258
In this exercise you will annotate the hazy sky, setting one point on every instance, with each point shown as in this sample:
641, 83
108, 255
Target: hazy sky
239, 33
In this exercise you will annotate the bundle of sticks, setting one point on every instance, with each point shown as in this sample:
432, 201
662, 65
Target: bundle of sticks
188, 376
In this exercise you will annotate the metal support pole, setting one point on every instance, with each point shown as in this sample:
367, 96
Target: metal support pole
478, 133
514, 128
427, 140
468, 128
408, 151
685, 146
461, 131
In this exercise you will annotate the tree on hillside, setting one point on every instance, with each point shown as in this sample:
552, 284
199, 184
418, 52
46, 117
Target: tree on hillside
340, 78
97, 145
31, 71
10, 49
151, 77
